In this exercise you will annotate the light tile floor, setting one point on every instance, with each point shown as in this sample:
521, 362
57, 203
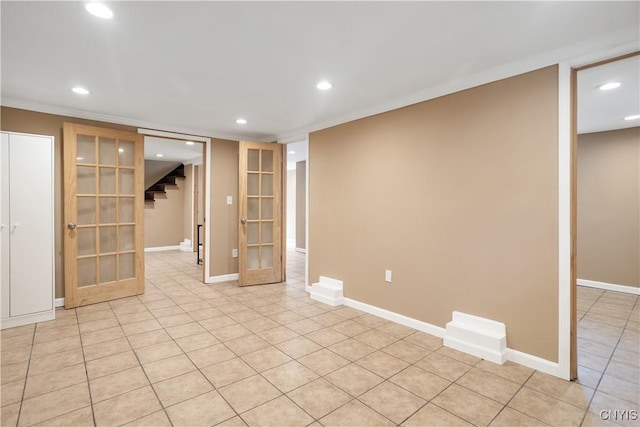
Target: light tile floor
189, 354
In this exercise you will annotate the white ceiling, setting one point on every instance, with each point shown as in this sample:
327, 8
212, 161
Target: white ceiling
172, 150
194, 67
600, 110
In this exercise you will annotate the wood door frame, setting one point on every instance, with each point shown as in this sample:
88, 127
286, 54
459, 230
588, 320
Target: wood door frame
195, 194
283, 212
573, 356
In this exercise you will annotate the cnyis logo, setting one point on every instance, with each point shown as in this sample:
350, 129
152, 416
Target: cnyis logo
619, 414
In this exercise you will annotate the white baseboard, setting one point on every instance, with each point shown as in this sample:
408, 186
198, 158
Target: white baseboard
535, 362
27, 319
222, 278
301, 250
162, 248
396, 317
58, 302
609, 286
525, 359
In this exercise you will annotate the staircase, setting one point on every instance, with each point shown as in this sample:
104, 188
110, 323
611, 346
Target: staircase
160, 185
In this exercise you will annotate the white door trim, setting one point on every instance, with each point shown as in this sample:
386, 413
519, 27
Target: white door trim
307, 286
564, 221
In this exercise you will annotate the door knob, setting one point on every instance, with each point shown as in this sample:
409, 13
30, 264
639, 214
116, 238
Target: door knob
243, 220
71, 226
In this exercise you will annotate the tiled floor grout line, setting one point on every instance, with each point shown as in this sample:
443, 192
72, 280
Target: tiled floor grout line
143, 371
285, 394
199, 369
26, 375
86, 371
460, 385
389, 380
111, 309
266, 379
615, 348
506, 405
257, 373
444, 389
590, 306
373, 409
44, 373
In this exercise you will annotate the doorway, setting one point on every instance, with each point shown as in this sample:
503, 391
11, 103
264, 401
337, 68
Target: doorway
175, 197
296, 212
607, 229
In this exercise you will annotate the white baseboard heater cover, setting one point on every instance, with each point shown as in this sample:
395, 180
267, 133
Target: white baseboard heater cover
328, 291
477, 336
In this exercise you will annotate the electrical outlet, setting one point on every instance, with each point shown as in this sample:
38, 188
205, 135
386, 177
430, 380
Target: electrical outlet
234, 253
387, 276
229, 200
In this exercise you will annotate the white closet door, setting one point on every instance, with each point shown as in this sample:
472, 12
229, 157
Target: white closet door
31, 223
4, 219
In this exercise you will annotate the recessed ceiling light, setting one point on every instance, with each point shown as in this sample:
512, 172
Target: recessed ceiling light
99, 10
241, 121
609, 86
324, 85
634, 117
189, 142
291, 152
159, 155
121, 150
80, 90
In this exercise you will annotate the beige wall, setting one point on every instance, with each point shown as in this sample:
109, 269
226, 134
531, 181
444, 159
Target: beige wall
164, 218
301, 205
224, 218
609, 207
458, 197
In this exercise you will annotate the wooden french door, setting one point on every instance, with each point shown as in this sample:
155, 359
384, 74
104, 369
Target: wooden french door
103, 214
260, 210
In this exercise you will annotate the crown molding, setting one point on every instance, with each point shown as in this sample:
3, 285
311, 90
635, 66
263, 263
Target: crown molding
586, 52
89, 115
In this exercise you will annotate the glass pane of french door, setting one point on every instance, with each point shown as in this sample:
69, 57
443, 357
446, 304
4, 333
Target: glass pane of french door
260, 212
105, 199
260, 202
